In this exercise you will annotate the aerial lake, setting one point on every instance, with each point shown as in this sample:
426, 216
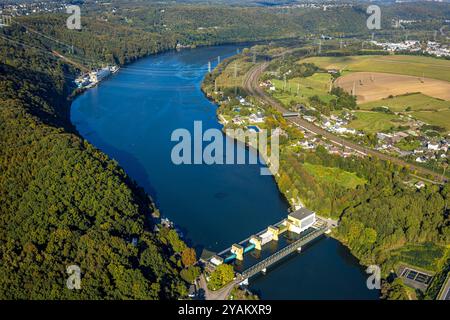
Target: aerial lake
131, 116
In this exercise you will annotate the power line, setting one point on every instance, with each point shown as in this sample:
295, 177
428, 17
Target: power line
45, 36
25, 45
46, 51
71, 47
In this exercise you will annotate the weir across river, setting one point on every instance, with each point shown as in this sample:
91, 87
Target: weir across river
258, 252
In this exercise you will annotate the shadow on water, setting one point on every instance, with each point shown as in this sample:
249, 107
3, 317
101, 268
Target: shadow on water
126, 160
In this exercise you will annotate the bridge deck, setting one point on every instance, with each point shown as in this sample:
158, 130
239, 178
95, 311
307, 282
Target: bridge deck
243, 242
255, 261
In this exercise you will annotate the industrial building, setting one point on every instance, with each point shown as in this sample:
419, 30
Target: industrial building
301, 220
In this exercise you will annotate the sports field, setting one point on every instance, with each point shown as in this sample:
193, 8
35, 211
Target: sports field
398, 64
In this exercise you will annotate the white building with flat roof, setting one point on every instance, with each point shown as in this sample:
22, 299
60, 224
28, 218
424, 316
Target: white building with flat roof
301, 219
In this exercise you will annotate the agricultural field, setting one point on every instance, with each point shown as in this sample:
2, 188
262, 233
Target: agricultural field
373, 86
417, 85
317, 84
373, 122
409, 103
424, 108
398, 64
439, 118
329, 175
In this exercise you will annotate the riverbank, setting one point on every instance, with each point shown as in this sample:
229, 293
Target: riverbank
366, 239
214, 205
213, 96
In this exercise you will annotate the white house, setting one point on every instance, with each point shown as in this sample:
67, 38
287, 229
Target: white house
256, 118
433, 146
421, 159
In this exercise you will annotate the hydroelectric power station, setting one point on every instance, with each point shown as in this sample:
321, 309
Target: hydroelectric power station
256, 253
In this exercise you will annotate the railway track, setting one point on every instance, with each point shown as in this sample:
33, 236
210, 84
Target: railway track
251, 85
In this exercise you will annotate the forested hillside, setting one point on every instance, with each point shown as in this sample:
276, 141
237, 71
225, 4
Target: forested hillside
62, 201
201, 23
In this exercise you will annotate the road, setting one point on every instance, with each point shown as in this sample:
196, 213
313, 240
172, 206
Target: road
251, 85
221, 294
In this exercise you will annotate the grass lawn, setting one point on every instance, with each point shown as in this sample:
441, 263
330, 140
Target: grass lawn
331, 175
317, 84
408, 146
227, 80
440, 118
427, 256
399, 64
415, 102
373, 122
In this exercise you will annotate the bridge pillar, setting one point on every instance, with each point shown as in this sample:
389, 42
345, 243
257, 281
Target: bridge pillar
299, 249
256, 240
264, 270
275, 231
244, 283
238, 250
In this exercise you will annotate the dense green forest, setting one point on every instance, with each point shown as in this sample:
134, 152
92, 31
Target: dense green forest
204, 22
63, 202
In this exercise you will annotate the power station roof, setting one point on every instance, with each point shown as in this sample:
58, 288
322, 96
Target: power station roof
301, 213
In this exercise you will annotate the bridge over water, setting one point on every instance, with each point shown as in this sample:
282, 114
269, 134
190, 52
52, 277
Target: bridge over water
267, 247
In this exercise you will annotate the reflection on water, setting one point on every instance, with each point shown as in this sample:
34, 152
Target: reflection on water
131, 117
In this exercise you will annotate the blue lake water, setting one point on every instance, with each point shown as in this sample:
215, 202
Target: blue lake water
131, 117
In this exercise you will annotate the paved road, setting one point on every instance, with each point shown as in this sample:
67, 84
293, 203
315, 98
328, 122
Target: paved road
251, 84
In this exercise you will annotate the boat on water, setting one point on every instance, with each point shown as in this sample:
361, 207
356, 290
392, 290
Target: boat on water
92, 78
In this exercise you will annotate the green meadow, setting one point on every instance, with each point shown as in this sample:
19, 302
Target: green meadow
411, 102
439, 118
331, 175
373, 122
317, 84
427, 109
399, 64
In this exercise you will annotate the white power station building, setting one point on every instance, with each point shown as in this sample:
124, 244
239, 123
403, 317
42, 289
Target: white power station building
301, 220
